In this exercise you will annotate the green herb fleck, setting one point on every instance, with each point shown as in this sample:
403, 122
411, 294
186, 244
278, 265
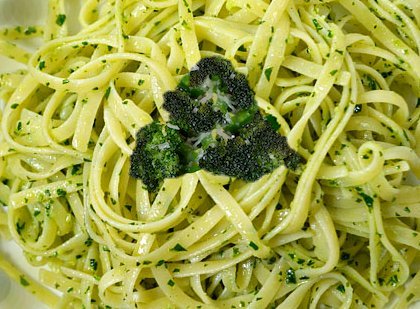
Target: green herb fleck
393, 280
341, 288
93, 264
61, 19
20, 227
107, 92
75, 170
41, 65
30, 30
61, 192
178, 248
23, 281
290, 276
267, 73
368, 199
318, 27
89, 242
357, 108
253, 246
345, 256
371, 83
160, 263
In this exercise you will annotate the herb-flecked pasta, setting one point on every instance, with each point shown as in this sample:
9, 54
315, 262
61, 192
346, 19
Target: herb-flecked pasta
342, 78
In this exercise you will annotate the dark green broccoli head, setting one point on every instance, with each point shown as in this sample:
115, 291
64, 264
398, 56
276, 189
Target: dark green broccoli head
211, 95
191, 116
223, 74
255, 150
262, 132
156, 155
234, 158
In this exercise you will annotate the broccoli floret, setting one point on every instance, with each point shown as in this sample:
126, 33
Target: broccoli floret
189, 115
211, 95
156, 155
214, 124
255, 150
223, 74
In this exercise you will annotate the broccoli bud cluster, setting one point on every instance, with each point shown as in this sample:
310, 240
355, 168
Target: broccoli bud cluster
214, 124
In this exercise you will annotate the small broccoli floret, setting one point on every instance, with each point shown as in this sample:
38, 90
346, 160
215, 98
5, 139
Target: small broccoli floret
222, 73
255, 150
232, 158
272, 148
211, 95
156, 155
191, 116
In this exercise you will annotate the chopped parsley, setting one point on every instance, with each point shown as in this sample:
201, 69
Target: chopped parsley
93, 264
61, 192
341, 288
367, 198
23, 281
267, 73
20, 227
107, 92
61, 19
357, 108
160, 263
253, 245
30, 30
41, 65
89, 242
393, 280
318, 27
345, 256
290, 276
76, 169
178, 248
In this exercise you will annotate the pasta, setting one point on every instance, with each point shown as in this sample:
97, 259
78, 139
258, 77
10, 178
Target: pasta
342, 78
